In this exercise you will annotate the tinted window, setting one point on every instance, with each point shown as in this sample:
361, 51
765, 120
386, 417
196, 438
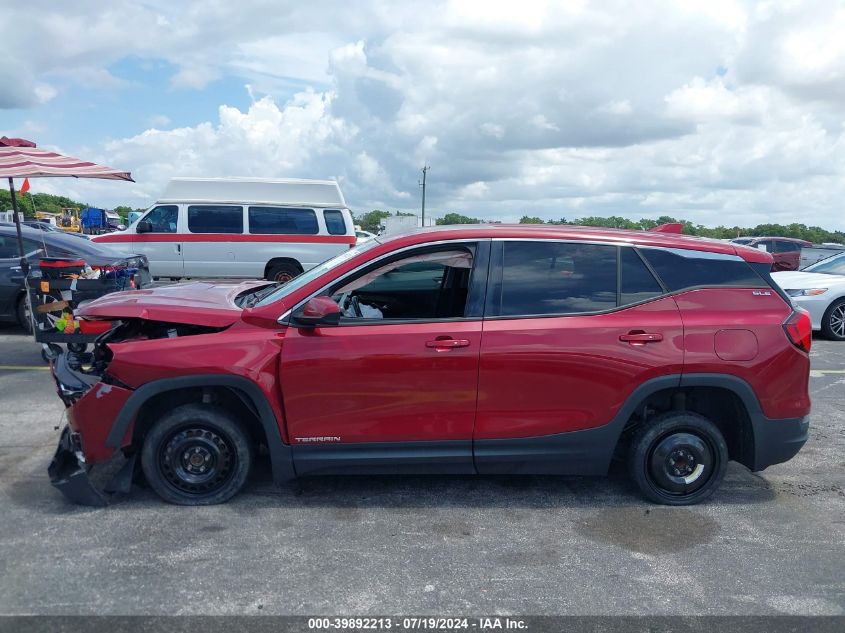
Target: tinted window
782, 246
557, 278
334, 222
282, 220
9, 246
163, 219
700, 269
638, 284
209, 218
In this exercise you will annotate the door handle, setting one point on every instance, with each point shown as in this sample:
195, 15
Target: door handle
641, 338
445, 344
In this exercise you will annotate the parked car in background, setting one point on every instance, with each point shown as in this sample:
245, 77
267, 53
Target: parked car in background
786, 251
37, 243
44, 226
672, 352
240, 228
363, 236
819, 289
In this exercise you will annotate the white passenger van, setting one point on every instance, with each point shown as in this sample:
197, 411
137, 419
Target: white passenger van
239, 228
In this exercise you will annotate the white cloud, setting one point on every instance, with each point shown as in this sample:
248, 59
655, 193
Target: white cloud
715, 110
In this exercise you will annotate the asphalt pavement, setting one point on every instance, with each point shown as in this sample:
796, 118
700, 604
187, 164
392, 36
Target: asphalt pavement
766, 543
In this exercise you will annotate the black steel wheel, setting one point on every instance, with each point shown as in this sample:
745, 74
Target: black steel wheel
283, 272
197, 455
833, 321
678, 458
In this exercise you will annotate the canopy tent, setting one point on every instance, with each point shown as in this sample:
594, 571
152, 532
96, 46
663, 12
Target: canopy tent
20, 158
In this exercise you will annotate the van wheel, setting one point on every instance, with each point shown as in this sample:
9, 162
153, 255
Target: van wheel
678, 458
283, 272
197, 455
833, 321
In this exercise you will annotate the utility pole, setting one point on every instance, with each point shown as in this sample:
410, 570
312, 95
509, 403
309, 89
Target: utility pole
422, 186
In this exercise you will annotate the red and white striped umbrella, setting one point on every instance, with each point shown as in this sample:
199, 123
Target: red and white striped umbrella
21, 159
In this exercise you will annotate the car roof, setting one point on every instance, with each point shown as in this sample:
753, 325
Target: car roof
757, 238
574, 232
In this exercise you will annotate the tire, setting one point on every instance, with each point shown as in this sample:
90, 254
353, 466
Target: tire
23, 314
283, 272
678, 458
833, 321
197, 455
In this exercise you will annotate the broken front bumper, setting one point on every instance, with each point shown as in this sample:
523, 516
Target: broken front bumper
72, 476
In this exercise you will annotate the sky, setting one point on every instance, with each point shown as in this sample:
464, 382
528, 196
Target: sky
718, 111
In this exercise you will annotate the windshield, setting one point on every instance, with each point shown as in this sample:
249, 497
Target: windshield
831, 266
307, 277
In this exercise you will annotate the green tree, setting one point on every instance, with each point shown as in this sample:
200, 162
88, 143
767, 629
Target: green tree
457, 218
371, 220
530, 220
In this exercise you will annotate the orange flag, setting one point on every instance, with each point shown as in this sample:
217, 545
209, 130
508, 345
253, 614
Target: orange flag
24, 186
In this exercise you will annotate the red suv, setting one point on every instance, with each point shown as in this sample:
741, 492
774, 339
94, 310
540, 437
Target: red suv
786, 251
488, 349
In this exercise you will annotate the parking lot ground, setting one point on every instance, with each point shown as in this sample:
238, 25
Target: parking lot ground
766, 543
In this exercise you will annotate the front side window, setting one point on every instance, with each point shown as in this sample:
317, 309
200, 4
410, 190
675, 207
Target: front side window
547, 278
282, 221
427, 285
335, 223
782, 246
213, 218
163, 219
9, 246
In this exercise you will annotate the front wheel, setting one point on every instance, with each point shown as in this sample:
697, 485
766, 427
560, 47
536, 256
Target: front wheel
197, 455
678, 458
833, 321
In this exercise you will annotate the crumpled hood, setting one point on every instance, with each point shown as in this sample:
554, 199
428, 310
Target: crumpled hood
197, 303
797, 280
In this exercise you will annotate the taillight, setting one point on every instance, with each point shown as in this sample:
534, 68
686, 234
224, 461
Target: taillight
799, 329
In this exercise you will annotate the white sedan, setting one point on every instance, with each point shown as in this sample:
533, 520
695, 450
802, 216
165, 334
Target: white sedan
820, 289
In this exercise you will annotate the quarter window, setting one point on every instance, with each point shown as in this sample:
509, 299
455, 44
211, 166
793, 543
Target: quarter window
557, 278
335, 223
163, 219
636, 281
693, 269
215, 219
282, 221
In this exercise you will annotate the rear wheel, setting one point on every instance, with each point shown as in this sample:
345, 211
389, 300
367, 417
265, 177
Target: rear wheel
283, 272
197, 455
833, 321
678, 458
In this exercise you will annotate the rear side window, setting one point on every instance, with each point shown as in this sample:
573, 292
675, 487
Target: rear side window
693, 269
282, 220
557, 278
209, 218
335, 223
636, 281
782, 246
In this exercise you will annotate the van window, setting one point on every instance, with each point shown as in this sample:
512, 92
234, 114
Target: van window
545, 278
282, 220
212, 218
163, 219
335, 224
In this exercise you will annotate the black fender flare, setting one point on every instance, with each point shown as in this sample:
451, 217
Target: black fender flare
281, 457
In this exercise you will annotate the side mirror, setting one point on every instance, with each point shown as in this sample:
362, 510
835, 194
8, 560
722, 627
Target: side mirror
121, 227
144, 226
318, 311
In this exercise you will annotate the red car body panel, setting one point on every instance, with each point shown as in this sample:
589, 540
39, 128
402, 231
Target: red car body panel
778, 372
383, 383
102, 402
552, 375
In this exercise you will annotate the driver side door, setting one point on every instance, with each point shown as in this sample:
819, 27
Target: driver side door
393, 387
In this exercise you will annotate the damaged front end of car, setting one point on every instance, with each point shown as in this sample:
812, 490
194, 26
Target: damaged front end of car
92, 462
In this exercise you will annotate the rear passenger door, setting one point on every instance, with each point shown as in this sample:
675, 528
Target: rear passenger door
787, 255
570, 330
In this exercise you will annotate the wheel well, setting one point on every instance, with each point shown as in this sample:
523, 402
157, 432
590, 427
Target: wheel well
231, 399
721, 406
282, 260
